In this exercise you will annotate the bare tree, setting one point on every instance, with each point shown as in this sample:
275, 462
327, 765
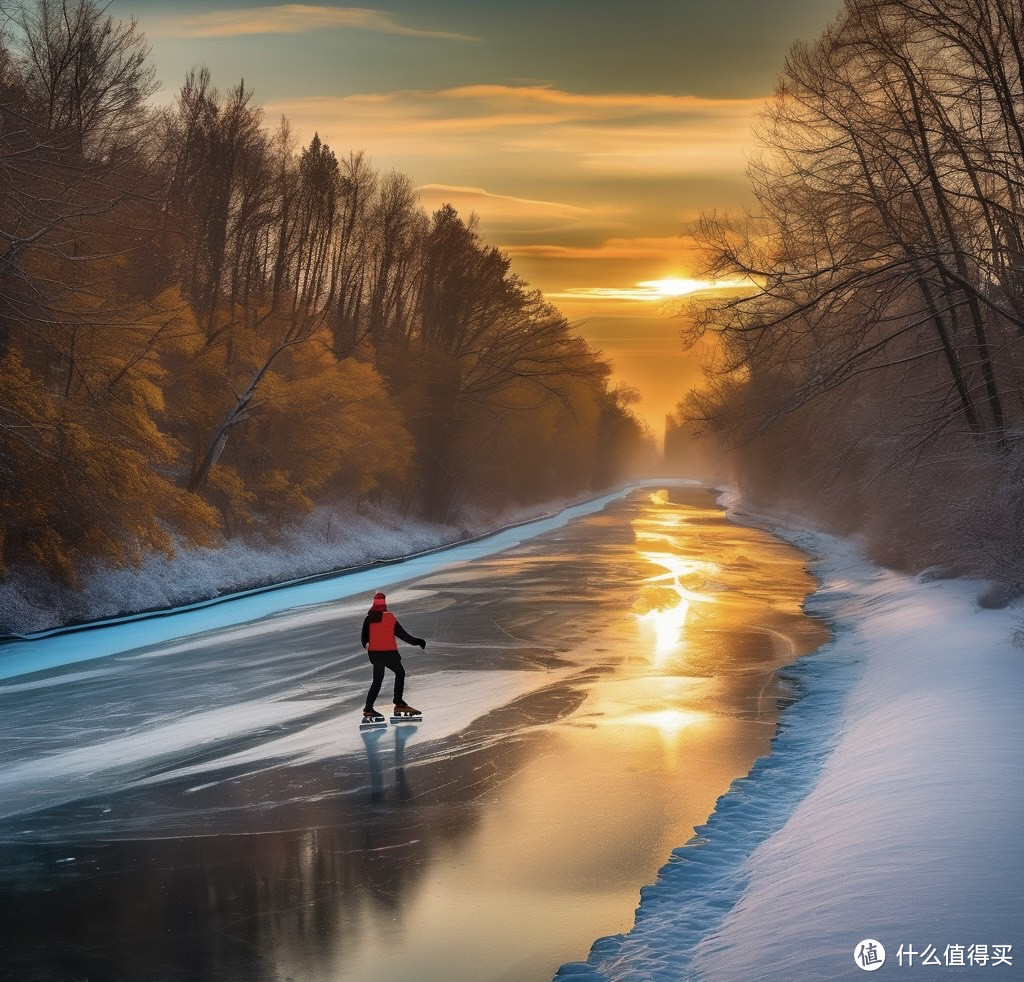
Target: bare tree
886, 250
874, 220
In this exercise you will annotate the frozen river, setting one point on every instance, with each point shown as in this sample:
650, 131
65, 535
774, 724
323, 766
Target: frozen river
206, 808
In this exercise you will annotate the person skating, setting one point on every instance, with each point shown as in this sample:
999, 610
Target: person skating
380, 631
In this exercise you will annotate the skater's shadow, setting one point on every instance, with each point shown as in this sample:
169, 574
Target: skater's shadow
376, 763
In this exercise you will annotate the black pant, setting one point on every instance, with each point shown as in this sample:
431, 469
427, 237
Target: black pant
381, 660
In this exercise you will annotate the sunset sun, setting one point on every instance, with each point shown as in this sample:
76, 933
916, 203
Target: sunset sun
675, 286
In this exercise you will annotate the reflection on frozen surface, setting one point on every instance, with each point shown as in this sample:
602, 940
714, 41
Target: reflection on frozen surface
666, 610
208, 808
668, 621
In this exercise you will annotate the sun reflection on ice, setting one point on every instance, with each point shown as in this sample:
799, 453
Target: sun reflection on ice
669, 622
668, 727
668, 722
668, 626
644, 703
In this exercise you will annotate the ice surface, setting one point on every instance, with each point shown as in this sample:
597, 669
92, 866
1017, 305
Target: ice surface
130, 759
455, 700
889, 808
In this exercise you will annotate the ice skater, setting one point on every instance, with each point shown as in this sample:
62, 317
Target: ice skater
380, 629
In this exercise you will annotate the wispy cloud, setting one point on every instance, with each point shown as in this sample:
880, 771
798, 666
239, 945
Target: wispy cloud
548, 95
478, 108
581, 189
643, 247
540, 126
498, 207
289, 18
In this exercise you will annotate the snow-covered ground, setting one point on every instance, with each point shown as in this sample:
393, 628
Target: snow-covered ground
887, 818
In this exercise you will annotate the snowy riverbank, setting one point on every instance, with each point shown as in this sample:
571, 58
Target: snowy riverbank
889, 810
327, 542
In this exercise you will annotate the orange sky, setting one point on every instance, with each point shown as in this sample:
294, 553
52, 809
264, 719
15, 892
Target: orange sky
587, 135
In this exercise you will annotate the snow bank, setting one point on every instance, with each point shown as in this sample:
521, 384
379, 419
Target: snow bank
889, 808
328, 540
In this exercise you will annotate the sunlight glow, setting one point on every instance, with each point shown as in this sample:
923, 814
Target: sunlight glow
676, 286
668, 722
288, 18
649, 290
668, 623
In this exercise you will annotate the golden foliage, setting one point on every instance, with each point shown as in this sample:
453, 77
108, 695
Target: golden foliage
190, 350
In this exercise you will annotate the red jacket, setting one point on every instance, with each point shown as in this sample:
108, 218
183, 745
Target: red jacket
380, 629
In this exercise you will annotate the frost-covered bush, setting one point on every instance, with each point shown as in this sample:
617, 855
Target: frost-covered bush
991, 525
327, 540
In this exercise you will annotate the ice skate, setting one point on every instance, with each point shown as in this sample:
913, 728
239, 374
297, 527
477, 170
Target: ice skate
406, 714
372, 718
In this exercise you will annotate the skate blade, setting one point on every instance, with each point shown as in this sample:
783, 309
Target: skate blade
417, 718
374, 724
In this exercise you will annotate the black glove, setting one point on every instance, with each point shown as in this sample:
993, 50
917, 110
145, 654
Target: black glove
422, 643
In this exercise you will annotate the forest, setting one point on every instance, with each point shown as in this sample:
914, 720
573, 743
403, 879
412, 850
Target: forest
874, 376
208, 329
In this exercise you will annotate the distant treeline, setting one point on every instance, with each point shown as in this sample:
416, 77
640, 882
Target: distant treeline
876, 374
206, 329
